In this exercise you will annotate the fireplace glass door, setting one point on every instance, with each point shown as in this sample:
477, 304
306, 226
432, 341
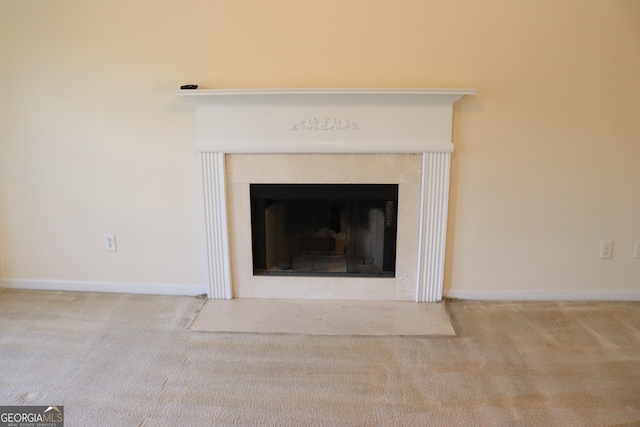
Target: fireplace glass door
324, 229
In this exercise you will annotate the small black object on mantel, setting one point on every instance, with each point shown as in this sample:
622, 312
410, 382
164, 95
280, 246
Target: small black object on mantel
189, 87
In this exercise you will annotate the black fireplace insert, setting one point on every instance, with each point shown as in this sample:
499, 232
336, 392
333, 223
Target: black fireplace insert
324, 229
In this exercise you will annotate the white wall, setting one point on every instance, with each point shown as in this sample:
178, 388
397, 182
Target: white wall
546, 160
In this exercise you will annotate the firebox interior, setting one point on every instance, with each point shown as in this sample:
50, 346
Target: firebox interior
324, 229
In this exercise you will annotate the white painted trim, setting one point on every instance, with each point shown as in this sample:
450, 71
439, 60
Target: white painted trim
223, 95
324, 120
527, 295
434, 205
335, 146
109, 287
217, 234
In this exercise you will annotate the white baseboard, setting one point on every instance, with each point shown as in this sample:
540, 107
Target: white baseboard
192, 290
517, 295
110, 287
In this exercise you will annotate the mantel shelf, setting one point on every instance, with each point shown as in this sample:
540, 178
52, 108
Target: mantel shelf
226, 95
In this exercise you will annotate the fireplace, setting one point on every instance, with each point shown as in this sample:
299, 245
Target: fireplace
258, 148
324, 229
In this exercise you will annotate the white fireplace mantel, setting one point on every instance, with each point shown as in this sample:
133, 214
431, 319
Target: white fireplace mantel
336, 121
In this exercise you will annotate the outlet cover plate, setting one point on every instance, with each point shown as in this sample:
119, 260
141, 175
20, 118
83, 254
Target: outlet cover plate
110, 243
606, 249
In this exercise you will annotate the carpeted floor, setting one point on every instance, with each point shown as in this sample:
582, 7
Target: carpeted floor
129, 360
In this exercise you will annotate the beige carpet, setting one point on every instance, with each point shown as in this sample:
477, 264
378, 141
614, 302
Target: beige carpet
130, 360
322, 317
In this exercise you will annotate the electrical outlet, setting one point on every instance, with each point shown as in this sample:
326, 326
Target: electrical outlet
637, 252
606, 249
3, 266
110, 243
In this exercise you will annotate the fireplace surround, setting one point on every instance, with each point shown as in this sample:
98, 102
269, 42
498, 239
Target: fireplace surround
324, 136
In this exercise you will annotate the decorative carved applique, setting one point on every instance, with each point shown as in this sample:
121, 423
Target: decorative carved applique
324, 123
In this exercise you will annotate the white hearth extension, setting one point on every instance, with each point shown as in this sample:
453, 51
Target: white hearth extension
390, 136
